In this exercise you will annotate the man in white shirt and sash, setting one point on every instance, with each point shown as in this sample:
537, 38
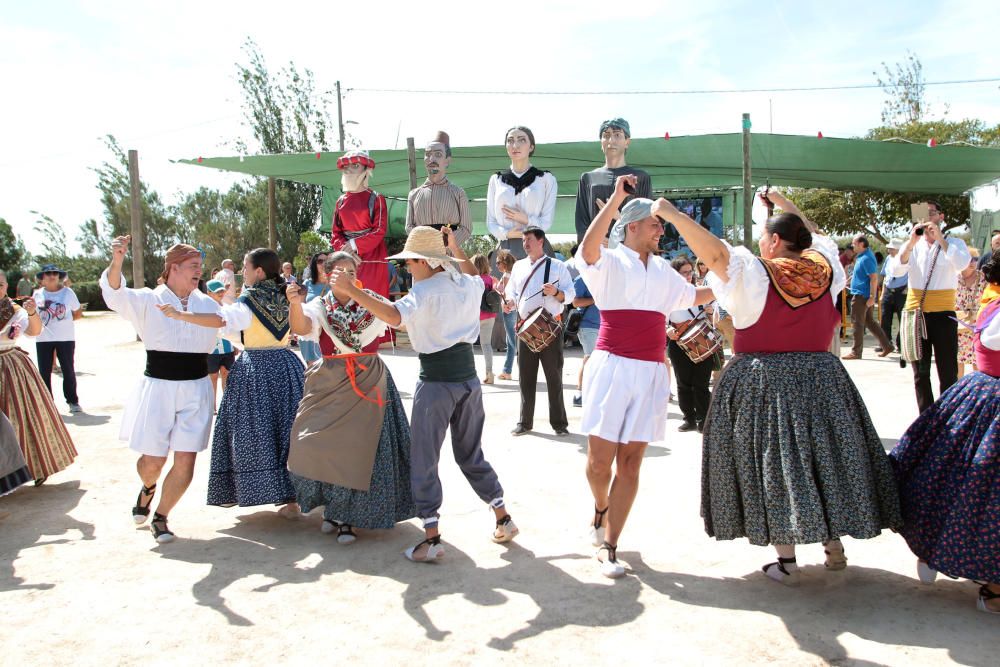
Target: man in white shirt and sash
626, 385
441, 314
932, 262
172, 407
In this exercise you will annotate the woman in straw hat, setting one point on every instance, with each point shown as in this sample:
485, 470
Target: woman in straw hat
350, 450
441, 314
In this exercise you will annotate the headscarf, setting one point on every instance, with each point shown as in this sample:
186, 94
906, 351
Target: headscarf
176, 254
638, 209
620, 123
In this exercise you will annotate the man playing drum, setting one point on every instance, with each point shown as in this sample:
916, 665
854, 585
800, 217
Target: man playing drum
626, 385
538, 282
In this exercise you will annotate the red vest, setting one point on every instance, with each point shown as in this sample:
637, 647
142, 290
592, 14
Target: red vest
781, 328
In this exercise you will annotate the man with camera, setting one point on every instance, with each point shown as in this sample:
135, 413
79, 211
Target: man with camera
932, 262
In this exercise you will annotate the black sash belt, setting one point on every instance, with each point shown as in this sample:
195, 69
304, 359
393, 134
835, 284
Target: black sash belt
454, 364
176, 366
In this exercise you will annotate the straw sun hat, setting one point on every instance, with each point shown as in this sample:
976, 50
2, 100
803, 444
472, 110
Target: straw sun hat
425, 243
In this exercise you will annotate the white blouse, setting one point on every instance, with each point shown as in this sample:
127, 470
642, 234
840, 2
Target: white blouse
158, 332
990, 336
744, 294
538, 201
19, 320
949, 265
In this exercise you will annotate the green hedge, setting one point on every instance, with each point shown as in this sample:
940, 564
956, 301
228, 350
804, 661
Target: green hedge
90, 294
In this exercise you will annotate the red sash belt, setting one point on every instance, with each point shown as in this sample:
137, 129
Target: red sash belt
352, 363
634, 334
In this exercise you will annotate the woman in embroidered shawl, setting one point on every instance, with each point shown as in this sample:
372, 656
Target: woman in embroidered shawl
37, 428
251, 436
790, 455
350, 450
948, 466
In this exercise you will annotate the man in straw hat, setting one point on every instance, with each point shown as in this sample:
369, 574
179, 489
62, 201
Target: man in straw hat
597, 186
441, 314
439, 202
626, 384
171, 409
360, 221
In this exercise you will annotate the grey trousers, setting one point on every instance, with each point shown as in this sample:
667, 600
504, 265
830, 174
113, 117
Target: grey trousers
436, 406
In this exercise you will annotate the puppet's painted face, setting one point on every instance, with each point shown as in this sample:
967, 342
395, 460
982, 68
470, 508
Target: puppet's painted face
436, 159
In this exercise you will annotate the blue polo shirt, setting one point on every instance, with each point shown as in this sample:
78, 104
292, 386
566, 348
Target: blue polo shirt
592, 315
864, 266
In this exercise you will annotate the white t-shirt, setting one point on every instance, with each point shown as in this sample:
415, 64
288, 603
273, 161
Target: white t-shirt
56, 310
442, 311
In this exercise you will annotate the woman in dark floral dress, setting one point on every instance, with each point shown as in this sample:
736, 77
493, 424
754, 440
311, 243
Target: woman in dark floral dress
790, 455
350, 450
948, 465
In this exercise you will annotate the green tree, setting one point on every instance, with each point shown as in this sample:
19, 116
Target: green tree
79, 267
161, 227
310, 243
285, 114
14, 257
904, 114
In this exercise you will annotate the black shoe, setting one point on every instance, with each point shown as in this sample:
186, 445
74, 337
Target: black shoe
520, 429
902, 362
701, 427
686, 426
562, 432
578, 401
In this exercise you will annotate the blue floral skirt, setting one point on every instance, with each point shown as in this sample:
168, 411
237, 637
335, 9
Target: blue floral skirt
790, 455
948, 467
388, 499
251, 437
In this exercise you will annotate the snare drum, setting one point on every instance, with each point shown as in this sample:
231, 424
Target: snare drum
701, 340
539, 330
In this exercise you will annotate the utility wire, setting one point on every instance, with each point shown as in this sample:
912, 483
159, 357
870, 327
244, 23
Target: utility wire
720, 91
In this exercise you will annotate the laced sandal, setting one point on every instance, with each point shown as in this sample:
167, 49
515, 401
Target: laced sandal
778, 572
346, 534
506, 530
597, 528
985, 595
434, 550
141, 512
610, 567
835, 558
162, 535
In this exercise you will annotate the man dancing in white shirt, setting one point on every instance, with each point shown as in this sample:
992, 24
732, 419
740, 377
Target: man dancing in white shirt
171, 409
626, 385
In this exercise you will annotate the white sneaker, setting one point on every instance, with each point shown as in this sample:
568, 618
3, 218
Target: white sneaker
327, 527
506, 530
778, 572
608, 558
926, 573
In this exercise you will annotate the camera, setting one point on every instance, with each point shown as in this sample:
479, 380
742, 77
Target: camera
919, 231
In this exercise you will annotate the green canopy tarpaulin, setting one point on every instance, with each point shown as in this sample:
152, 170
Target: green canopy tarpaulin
693, 164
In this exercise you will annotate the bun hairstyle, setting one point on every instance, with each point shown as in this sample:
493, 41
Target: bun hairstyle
267, 261
790, 229
991, 269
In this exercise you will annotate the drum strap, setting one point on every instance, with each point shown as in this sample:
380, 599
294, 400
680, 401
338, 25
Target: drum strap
524, 287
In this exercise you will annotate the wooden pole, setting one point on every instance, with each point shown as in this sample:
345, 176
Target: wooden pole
272, 216
411, 158
135, 213
340, 117
747, 186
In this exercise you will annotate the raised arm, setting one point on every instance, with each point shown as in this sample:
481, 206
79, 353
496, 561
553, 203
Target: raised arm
590, 248
343, 282
705, 245
298, 322
207, 320
119, 247
456, 251
786, 205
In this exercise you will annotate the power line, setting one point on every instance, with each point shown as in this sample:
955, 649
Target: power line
721, 91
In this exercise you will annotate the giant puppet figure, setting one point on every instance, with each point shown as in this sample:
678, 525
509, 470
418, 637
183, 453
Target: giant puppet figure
360, 221
438, 202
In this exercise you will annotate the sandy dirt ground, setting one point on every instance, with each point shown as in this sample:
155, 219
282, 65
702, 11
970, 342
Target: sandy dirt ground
80, 584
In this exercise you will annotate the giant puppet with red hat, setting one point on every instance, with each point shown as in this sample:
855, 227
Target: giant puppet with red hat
360, 221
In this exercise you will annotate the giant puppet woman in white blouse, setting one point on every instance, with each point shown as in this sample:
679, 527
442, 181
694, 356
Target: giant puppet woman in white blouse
520, 197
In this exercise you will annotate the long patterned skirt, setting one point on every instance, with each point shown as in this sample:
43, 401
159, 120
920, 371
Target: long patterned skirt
252, 430
388, 499
790, 454
39, 429
948, 467
13, 470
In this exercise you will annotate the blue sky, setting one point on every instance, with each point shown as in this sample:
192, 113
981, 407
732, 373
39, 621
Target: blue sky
160, 76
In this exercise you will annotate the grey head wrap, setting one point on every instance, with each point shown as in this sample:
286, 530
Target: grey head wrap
634, 211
